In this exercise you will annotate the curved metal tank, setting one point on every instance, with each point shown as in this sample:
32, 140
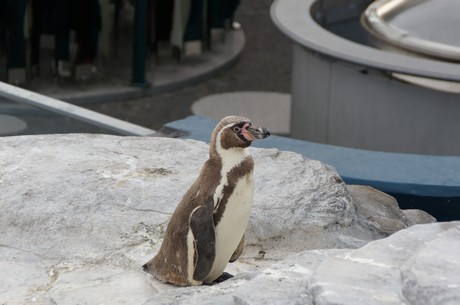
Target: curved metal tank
348, 92
428, 28
422, 28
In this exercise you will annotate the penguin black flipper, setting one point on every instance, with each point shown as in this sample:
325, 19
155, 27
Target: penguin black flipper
238, 251
202, 226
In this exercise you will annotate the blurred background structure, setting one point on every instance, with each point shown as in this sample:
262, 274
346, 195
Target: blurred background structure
375, 75
177, 72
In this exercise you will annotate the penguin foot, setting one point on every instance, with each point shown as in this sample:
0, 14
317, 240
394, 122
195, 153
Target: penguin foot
222, 278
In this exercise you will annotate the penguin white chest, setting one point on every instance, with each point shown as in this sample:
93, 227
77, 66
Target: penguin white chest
232, 225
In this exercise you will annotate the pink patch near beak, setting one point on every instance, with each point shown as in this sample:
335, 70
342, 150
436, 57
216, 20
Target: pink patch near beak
246, 134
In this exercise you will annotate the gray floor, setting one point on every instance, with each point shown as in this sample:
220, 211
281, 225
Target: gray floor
263, 66
269, 109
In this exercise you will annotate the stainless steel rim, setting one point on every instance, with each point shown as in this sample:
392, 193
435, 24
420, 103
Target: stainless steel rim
375, 19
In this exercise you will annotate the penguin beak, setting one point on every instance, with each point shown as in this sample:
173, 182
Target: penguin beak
251, 132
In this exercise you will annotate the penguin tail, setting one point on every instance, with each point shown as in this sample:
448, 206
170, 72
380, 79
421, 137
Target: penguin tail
147, 267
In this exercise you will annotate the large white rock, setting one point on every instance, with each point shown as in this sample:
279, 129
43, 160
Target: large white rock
80, 214
413, 266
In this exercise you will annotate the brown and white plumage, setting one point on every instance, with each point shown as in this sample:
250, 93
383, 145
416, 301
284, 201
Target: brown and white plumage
206, 230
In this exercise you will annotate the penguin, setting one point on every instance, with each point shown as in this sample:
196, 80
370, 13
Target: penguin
206, 230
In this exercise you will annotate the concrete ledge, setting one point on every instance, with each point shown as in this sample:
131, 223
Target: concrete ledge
431, 183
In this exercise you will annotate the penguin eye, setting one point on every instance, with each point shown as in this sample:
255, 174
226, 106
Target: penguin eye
236, 129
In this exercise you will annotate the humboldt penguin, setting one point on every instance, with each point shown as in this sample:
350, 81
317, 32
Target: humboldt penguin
206, 230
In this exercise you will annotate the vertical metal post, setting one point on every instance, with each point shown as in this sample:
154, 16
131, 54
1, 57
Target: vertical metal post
139, 44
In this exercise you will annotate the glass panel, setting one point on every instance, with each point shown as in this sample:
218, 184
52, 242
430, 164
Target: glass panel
21, 119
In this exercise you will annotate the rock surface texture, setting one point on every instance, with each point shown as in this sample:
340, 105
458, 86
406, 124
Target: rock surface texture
80, 214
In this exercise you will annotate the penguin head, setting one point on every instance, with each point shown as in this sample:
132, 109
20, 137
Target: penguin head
236, 132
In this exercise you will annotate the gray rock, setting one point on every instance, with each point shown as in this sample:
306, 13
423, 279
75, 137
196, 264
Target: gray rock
404, 268
414, 217
378, 211
432, 275
82, 213
18, 279
101, 284
285, 282
313, 200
